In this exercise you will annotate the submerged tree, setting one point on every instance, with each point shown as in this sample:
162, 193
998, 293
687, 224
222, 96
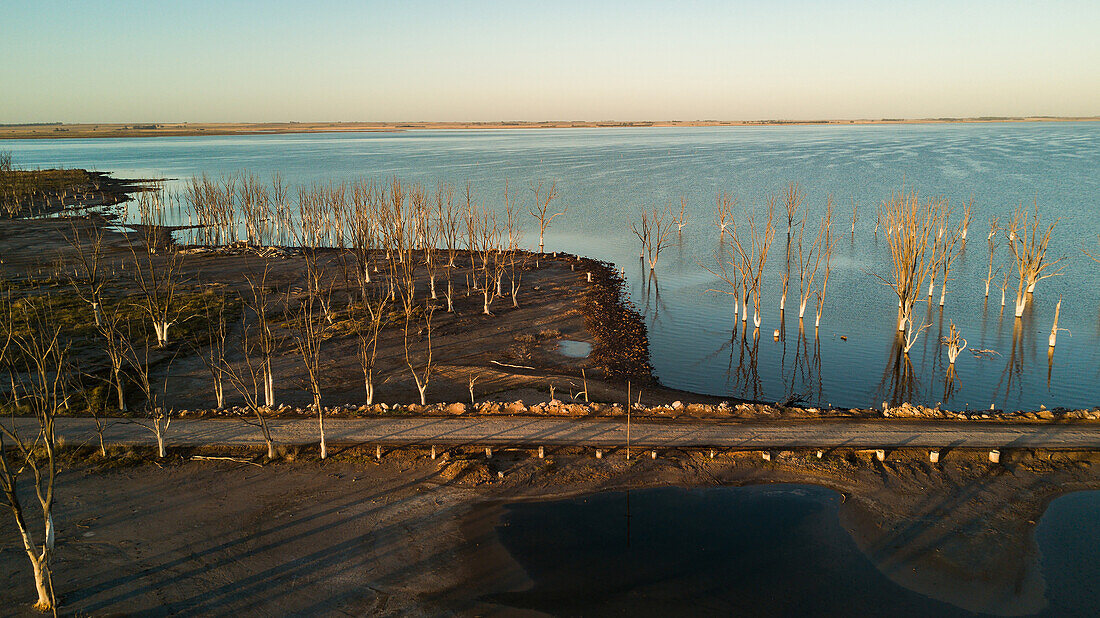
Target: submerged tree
541, 208
792, 203
911, 226
653, 231
1027, 240
753, 254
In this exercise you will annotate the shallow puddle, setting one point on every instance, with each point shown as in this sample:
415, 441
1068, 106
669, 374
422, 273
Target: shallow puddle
574, 349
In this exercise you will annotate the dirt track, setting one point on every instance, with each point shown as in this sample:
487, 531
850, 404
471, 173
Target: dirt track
530, 431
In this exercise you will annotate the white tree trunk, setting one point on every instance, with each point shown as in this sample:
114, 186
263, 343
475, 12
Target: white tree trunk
369, 380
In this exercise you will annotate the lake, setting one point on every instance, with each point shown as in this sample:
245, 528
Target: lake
606, 176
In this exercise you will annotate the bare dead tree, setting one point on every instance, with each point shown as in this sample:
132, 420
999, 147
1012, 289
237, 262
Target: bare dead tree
115, 330
541, 208
792, 203
753, 254
39, 378
514, 260
214, 353
421, 377
1028, 239
991, 239
724, 212
448, 218
88, 281
362, 224
911, 227
157, 269
955, 344
308, 337
367, 333
249, 377
155, 413
952, 245
653, 231
809, 259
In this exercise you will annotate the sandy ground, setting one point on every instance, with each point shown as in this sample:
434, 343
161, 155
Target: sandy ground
415, 536
57, 131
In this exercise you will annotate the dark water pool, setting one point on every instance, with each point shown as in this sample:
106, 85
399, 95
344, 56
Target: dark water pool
759, 550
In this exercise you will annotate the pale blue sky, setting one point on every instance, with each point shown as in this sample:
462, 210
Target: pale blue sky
129, 61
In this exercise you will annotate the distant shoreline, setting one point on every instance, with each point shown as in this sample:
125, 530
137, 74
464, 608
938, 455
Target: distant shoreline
91, 130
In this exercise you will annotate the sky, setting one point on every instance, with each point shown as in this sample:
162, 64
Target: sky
236, 61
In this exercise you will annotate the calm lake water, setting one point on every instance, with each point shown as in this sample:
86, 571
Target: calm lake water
605, 176
759, 550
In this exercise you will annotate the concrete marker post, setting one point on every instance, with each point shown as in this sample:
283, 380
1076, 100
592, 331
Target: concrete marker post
880, 455
542, 453
599, 453
995, 456
378, 452
433, 451
934, 456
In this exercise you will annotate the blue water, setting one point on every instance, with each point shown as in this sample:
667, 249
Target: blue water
605, 176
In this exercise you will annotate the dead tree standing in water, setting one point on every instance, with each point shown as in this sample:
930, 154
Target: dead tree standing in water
753, 253
792, 203
541, 208
653, 231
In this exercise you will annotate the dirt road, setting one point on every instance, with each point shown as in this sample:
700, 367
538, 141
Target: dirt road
530, 431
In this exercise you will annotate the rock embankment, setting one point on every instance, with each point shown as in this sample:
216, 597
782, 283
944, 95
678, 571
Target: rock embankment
677, 409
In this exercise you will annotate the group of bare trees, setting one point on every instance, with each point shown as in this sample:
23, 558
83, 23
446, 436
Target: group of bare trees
395, 249
807, 252
924, 244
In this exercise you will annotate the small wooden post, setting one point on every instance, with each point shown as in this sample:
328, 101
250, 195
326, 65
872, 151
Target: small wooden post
542, 453
653, 454
488, 452
433, 451
628, 419
378, 452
